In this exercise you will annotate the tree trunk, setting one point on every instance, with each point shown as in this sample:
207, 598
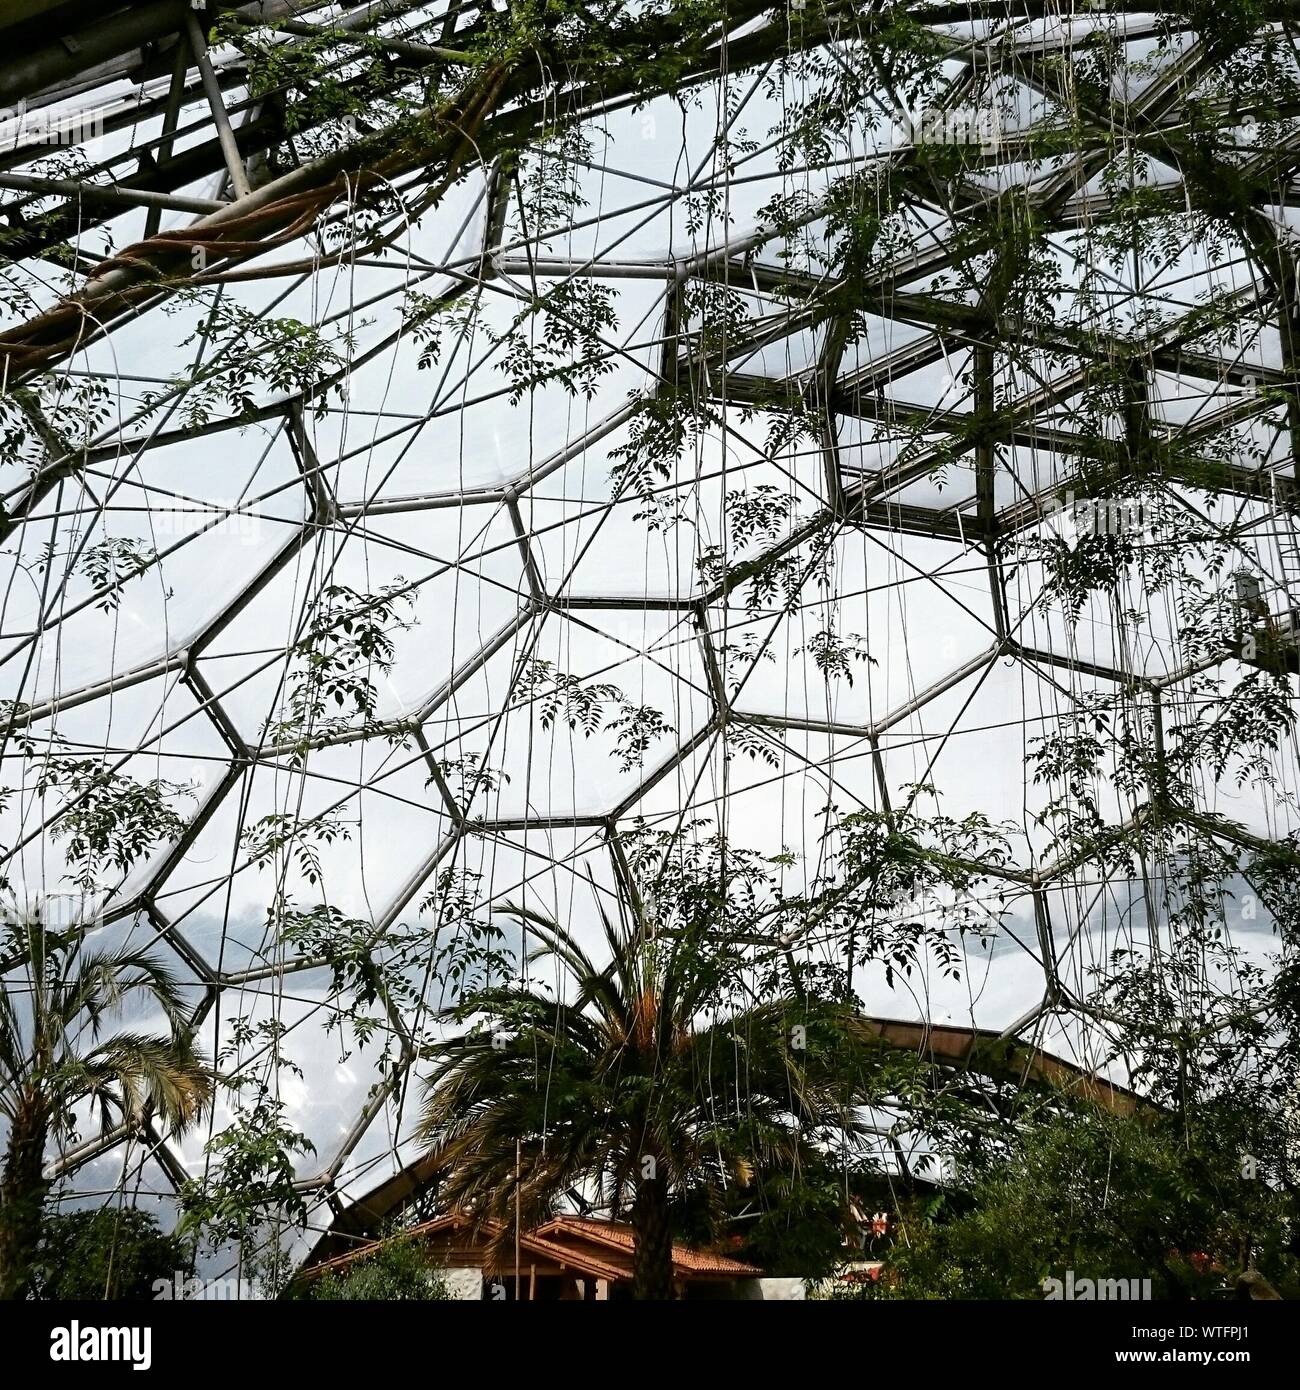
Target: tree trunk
22, 1199
652, 1262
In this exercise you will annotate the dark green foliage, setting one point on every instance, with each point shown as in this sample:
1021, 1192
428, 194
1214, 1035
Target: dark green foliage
661, 427
113, 1253
398, 1271
792, 1221
108, 818
349, 643
58, 1051
1106, 1197
571, 347
560, 698
251, 1179
110, 563
663, 1085
255, 353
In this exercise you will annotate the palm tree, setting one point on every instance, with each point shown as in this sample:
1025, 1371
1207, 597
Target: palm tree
656, 1080
53, 1056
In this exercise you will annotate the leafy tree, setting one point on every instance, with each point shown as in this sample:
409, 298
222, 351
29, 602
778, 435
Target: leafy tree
55, 1055
655, 1078
249, 1197
1108, 1197
788, 1220
110, 1254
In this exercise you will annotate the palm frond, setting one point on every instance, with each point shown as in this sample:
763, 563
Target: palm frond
145, 1074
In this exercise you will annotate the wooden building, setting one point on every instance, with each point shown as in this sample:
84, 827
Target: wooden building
566, 1258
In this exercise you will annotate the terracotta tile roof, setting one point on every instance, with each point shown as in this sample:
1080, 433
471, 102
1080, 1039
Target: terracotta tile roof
480, 1234
451, 1222
582, 1259
601, 1249
617, 1234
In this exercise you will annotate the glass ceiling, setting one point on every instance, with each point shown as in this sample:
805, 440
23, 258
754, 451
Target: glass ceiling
425, 525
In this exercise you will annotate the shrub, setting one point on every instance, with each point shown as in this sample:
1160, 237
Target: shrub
111, 1254
398, 1270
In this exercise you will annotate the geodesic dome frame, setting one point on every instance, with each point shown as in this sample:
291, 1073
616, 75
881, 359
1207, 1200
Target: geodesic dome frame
442, 438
